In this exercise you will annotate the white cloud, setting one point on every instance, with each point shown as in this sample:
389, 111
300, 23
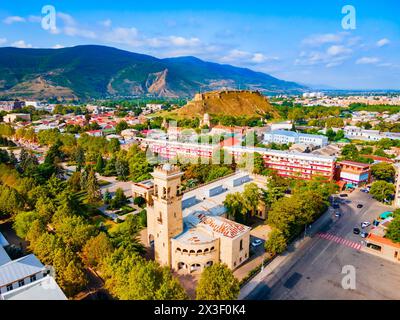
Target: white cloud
338, 50
128, 36
320, 39
21, 44
3, 41
13, 19
106, 23
66, 18
183, 42
368, 60
383, 42
76, 31
245, 57
36, 19
58, 46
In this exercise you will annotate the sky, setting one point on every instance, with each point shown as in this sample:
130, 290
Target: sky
302, 41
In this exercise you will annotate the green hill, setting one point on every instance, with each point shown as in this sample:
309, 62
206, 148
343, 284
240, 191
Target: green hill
97, 72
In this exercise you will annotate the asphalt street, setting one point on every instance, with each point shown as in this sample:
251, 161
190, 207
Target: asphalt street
315, 270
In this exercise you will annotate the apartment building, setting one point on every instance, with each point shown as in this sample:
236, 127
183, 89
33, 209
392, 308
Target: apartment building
355, 173
291, 164
286, 137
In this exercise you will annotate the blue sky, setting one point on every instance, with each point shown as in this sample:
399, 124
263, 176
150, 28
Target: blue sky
302, 42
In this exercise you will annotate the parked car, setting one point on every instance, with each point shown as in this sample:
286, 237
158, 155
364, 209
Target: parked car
365, 190
335, 206
256, 242
356, 231
375, 223
364, 234
343, 195
338, 214
359, 206
365, 224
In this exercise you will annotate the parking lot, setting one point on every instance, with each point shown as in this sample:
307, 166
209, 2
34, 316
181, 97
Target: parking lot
315, 270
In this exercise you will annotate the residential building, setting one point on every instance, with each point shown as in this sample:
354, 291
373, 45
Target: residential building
397, 195
286, 125
291, 164
377, 243
190, 231
11, 117
354, 132
286, 137
355, 173
11, 105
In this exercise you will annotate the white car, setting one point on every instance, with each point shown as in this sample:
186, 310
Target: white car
365, 224
256, 242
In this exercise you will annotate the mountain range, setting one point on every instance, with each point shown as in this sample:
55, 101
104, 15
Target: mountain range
90, 71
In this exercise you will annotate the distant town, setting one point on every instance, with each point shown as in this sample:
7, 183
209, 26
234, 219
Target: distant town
96, 195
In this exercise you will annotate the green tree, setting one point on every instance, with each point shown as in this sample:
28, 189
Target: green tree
96, 249
100, 164
251, 196
393, 230
93, 189
382, 190
122, 125
383, 171
75, 232
122, 169
217, 282
234, 205
276, 242
74, 181
119, 199
23, 222
79, 158
148, 281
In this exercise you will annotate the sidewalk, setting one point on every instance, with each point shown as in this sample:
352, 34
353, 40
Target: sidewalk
283, 259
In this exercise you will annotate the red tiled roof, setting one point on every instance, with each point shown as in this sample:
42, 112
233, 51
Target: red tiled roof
225, 227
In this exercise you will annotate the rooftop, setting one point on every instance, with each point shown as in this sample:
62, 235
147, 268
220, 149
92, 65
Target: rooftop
4, 258
42, 289
19, 269
382, 240
203, 207
354, 164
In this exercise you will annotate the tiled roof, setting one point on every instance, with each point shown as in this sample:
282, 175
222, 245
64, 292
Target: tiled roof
220, 225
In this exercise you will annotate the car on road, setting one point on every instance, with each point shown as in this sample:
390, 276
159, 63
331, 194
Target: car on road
343, 195
359, 206
364, 234
365, 224
365, 190
335, 206
356, 231
256, 242
338, 214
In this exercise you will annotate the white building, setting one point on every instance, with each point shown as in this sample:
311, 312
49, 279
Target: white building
23, 277
354, 132
286, 137
287, 125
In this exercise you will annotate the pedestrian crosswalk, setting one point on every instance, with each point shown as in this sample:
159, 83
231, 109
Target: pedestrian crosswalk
339, 240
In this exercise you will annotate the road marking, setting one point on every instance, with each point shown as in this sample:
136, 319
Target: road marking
339, 240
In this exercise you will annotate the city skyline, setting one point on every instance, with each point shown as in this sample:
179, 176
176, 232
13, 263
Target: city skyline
304, 43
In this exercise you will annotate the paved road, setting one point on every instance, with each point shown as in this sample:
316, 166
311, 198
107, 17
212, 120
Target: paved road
315, 271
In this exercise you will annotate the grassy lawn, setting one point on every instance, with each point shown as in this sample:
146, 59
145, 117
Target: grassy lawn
98, 219
125, 210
